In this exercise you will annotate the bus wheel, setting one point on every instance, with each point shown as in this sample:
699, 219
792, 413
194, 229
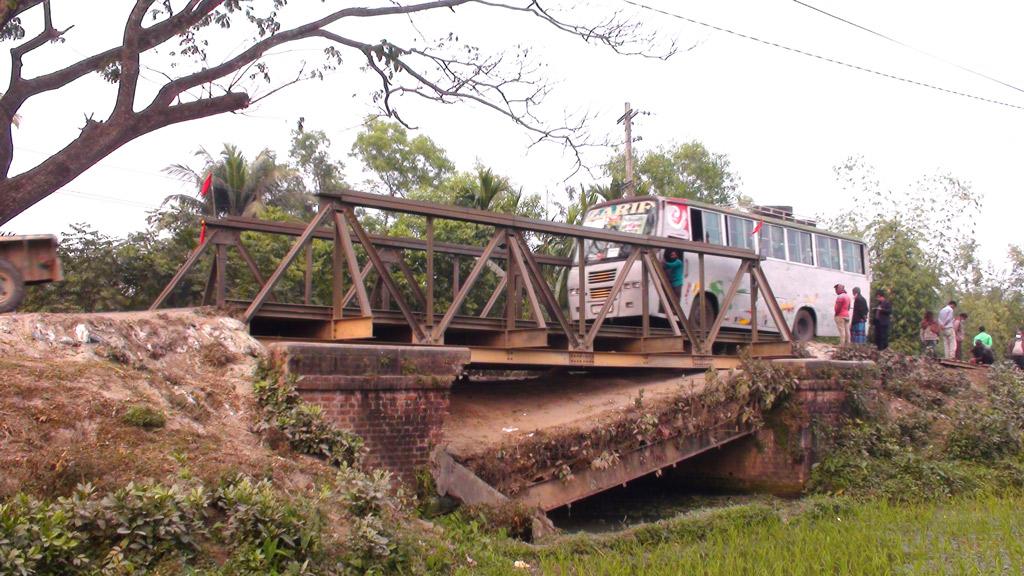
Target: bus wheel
803, 326
702, 320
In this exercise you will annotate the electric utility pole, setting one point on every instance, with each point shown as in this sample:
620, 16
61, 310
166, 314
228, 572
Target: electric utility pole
627, 120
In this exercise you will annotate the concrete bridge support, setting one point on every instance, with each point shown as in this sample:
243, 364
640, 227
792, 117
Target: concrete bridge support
395, 397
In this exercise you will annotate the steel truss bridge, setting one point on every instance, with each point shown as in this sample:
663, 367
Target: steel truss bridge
523, 324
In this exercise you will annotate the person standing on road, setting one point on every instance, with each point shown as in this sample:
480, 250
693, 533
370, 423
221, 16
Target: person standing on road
960, 330
1015, 351
859, 321
930, 330
881, 320
842, 310
674, 269
946, 319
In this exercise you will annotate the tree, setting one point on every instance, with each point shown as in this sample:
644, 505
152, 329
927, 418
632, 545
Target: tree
176, 35
920, 243
682, 171
310, 151
401, 164
239, 187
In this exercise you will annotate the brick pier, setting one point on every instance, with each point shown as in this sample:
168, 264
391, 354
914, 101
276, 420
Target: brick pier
394, 397
777, 459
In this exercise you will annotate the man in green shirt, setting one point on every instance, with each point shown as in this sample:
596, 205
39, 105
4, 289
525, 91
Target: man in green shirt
674, 271
983, 337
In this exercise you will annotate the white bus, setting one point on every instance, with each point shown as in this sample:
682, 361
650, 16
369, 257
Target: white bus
802, 263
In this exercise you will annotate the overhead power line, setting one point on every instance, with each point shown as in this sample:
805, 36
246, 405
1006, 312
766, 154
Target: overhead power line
825, 58
908, 46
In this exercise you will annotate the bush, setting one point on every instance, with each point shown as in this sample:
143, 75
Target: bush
302, 423
267, 531
987, 433
123, 532
144, 416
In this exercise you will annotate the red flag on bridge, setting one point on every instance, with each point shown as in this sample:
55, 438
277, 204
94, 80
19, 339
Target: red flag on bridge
202, 233
206, 185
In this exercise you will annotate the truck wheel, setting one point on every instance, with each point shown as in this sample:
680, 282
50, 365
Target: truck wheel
803, 326
12, 287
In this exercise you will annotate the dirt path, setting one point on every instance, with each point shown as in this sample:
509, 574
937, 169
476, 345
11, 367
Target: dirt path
484, 415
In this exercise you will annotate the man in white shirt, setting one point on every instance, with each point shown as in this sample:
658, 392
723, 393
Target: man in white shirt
946, 317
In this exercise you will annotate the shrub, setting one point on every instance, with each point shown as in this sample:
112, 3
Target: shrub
267, 531
302, 423
987, 433
144, 416
123, 532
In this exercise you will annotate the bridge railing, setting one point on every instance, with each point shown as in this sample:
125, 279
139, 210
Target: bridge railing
522, 277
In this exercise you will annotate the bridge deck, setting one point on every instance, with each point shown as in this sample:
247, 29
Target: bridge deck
617, 346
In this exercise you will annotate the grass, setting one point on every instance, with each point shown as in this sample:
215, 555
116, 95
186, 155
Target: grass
144, 416
979, 535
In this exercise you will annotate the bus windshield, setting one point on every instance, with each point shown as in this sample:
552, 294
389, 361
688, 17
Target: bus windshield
632, 217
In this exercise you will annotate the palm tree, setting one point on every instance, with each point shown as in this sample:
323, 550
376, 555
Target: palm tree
482, 194
239, 187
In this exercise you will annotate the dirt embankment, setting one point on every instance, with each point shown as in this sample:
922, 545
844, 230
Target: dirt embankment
68, 381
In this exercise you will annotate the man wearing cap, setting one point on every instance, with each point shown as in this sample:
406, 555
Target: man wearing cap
842, 310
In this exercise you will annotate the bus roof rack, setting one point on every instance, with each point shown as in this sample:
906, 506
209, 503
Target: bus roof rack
782, 213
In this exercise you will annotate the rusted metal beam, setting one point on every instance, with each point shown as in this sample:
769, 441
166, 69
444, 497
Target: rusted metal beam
527, 281
549, 299
389, 283
511, 221
221, 285
620, 280
581, 270
342, 237
307, 275
190, 262
773, 305
460, 296
429, 306
753, 304
306, 236
660, 278
494, 296
247, 258
396, 242
417, 292
733, 288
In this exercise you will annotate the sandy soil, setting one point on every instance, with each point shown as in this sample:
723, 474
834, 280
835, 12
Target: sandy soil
484, 415
66, 381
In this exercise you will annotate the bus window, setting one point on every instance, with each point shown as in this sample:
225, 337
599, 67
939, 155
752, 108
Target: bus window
741, 232
800, 246
713, 229
853, 257
773, 241
828, 252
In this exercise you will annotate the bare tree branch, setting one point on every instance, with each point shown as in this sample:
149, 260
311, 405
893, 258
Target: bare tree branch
506, 83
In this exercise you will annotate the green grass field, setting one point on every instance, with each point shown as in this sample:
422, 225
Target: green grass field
981, 535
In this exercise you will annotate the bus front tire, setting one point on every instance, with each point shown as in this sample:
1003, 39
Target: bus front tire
803, 326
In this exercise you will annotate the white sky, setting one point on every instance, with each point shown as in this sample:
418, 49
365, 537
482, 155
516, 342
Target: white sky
783, 119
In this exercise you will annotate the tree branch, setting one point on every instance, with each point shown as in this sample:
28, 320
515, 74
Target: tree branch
130, 56
9, 10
